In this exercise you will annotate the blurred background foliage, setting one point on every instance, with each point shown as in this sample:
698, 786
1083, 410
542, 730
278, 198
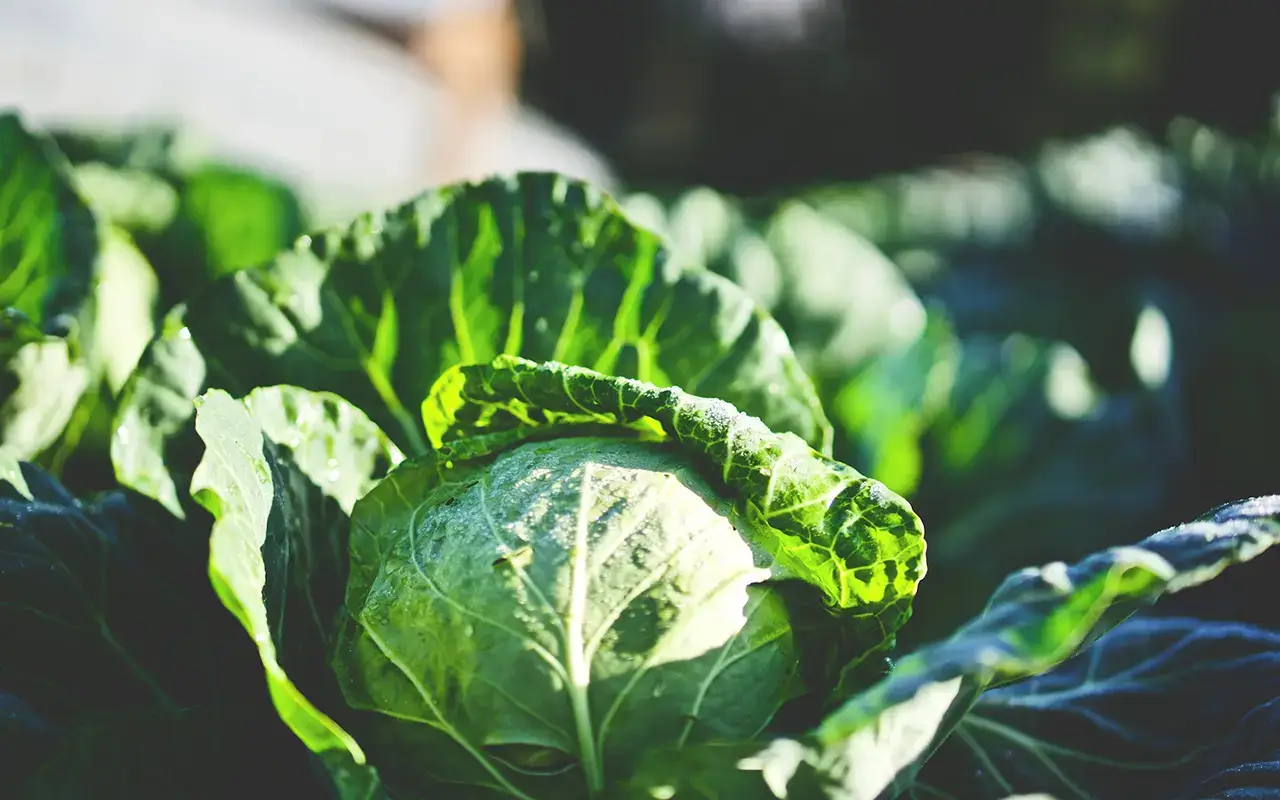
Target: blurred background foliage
1047, 355
753, 96
1028, 251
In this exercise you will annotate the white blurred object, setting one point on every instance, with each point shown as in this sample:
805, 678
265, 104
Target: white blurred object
268, 84
1118, 178
406, 11
773, 22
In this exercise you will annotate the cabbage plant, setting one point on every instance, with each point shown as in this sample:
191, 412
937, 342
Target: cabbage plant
486, 496
559, 587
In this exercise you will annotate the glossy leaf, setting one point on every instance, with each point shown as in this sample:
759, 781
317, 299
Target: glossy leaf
661, 512
822, 521
593, 595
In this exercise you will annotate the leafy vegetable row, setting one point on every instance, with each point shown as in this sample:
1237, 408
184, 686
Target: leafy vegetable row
488, 496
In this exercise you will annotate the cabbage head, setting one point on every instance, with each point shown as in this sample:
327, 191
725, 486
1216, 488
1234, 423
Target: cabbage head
560, 610
532, 611
581, 572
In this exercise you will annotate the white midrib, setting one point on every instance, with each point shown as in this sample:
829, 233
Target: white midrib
578, 665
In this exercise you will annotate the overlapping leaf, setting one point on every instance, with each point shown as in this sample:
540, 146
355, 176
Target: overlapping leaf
280, 472
823, 521
537, 265
77, 299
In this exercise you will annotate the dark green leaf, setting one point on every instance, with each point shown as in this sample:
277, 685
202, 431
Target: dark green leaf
1248, 761
889, 405
148, 754
1001, 457
244, 219
1035, 621
121, 674
1099, 726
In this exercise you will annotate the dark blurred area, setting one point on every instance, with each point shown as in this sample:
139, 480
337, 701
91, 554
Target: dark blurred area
757, 96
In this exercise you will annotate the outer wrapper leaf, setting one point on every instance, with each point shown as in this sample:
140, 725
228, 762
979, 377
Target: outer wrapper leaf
537, 265
1036, 620
278, 551
770, 506
822, 521
154, 438
1099, 725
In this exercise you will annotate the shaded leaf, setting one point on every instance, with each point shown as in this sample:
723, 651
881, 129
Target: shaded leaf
278, 551
1098, 726
242, 219
1036, 620
130, 679
1247, 762
1009, 479
889, 405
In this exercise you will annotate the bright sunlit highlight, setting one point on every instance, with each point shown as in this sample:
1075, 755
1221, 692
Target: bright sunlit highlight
1151, 350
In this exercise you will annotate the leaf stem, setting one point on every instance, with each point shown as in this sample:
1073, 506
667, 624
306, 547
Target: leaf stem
578, 666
